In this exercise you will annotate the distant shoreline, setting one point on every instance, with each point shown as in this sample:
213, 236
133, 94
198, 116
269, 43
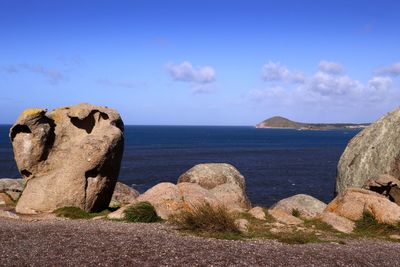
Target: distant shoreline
284, 123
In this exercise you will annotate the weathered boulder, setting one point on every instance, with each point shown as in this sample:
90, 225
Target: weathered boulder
283, 217
373, 151
258, 213
68, 157
193, 195
231, 196
386, 185
308, 206
123, 195
210, 175
166, 199
11, 189
353, 202
224, 181
337, 222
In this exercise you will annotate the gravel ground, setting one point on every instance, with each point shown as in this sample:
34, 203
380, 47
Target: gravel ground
107, 243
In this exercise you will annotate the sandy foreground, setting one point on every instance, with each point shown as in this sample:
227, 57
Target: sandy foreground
108, 243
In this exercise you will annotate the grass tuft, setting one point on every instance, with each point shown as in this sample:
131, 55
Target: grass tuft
141, 212
206, 218
368, 226
77, 213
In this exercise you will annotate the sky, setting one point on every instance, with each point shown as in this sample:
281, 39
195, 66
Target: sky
202, 62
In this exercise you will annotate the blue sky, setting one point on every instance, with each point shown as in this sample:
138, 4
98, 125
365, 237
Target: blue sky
203, 62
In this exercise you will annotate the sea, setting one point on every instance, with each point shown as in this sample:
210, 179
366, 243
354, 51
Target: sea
276, 163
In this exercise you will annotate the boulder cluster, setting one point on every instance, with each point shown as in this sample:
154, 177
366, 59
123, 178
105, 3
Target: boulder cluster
71, 157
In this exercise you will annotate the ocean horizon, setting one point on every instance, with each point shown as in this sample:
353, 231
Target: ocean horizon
276, 163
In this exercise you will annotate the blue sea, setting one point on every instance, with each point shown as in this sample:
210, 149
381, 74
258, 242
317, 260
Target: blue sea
277, 163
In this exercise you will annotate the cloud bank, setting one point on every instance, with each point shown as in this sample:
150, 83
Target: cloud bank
329, 88
199, 78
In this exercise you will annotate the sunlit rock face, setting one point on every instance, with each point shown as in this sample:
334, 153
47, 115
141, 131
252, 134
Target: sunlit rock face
372, 152
68, 157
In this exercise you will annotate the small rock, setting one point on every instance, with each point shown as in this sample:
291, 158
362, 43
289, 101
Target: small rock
282, 217
339, 223
258, 213
6, 199
8, 214
308, 206
123, 195
397, 237
118, 214
242, 225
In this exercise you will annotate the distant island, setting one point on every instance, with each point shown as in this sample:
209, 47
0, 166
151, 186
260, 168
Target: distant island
284, 123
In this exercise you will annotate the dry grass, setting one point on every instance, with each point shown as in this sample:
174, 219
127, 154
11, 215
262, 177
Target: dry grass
368, 226
208, 219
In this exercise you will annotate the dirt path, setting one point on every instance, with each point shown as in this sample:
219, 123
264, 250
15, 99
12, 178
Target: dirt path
107, 243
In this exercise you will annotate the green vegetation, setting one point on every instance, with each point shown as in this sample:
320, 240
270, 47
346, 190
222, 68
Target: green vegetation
77, 213
296, 213
368, 226
208, 219
141, 212
217, 222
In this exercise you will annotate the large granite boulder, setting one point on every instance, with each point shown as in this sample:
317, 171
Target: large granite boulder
210, 175
353, 202
307, 206
374, 151
193, 195
223, 180
68, 157
215, 184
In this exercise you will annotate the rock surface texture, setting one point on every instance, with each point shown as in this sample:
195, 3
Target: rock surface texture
223, 180
353, 202
374, 151
386, 185
123, 195
337, 222
215, 184
307, 206
10, 189
68, 157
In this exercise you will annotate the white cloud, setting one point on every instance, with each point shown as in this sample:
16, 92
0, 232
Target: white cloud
327, 84
329, 88
185, 72
200, 79
380, 83
274, 71
330, 67
392, 70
